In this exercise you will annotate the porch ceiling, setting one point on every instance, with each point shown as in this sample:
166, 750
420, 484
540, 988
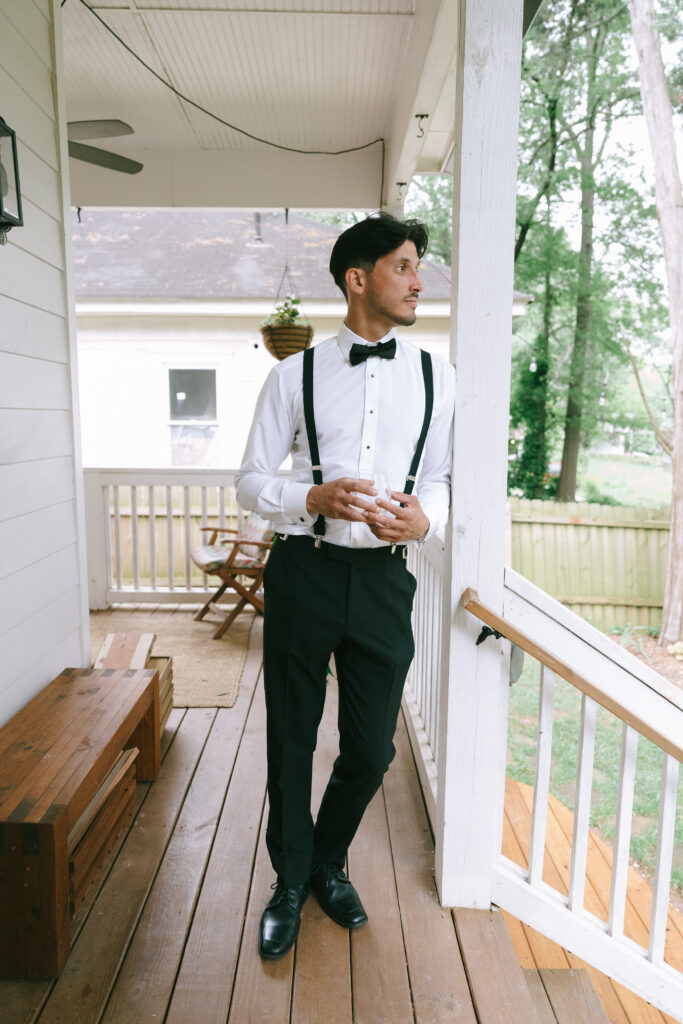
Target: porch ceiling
309, 74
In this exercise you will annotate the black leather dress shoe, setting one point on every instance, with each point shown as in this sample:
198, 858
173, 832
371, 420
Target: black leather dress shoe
337, 896
280, 921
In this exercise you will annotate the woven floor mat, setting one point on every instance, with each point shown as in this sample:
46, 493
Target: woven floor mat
206, 672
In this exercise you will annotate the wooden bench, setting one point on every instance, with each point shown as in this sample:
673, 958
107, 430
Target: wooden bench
68, 763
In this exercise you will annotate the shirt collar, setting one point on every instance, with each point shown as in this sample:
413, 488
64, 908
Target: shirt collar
346, 338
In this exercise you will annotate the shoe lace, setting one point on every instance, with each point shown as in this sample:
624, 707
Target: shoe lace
282, 893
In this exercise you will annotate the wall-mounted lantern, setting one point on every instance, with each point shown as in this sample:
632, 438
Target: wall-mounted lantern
10, 192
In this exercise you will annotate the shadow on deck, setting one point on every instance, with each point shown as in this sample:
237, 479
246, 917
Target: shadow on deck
168, 932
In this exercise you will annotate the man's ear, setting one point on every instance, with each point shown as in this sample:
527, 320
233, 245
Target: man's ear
355, 278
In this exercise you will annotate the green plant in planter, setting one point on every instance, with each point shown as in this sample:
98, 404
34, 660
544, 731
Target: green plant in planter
286, 313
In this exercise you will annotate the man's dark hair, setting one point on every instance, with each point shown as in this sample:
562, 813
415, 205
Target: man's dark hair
366, 242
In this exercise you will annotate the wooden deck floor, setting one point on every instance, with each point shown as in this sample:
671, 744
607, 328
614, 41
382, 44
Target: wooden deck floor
169, 932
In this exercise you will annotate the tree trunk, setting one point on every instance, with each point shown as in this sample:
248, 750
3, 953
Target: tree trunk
669, 196
566, 490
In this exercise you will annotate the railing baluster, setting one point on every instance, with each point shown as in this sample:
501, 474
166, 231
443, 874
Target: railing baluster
622, 838
186, 534
152, 538
584, 785
546, 707
205, 578
169, 537
436, 655
134, 535
663, 859
426, 693
117, 536
221, 505
106, 505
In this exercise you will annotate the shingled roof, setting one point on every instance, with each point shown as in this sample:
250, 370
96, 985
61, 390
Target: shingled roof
209, 254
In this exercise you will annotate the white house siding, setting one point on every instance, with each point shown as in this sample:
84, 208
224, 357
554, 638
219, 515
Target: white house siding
124, 361
43, 608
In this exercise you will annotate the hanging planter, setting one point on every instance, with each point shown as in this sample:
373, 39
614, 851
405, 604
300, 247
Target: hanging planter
286, 331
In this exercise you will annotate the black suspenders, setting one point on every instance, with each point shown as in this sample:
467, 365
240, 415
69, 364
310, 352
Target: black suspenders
319, 525
428, 377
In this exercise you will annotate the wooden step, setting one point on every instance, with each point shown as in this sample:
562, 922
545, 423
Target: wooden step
566, 996
497, 983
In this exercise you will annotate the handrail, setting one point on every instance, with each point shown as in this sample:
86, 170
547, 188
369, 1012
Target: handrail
664, 736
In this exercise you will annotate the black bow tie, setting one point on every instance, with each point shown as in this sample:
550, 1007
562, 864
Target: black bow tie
385, 350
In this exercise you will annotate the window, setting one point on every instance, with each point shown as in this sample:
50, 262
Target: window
192, 400
192, 394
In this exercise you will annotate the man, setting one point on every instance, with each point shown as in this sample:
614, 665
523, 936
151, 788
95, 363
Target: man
356, 407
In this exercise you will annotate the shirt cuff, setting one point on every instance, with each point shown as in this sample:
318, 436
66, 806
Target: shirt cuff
294, 502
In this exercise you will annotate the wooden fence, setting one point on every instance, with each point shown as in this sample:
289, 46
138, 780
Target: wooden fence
605, 562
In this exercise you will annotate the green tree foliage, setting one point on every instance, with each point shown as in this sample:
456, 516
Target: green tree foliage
586, 246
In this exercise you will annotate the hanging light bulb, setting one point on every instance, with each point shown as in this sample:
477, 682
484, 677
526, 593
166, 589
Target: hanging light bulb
533, 365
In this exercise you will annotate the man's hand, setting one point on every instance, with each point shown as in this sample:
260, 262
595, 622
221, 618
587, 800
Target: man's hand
337, 500
407, 523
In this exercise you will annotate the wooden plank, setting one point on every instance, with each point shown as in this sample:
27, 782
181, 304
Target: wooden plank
438, 982
113, 824
40, 236
144, 985
322, 981
539, 996
573, 997
30, 280
33, 27
205, 978
37, 130
488, 954
263, 988
29, 331
41, 184
381, 990
119, 769
125, 650
81, 992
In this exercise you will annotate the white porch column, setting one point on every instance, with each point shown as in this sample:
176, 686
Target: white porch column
474, 702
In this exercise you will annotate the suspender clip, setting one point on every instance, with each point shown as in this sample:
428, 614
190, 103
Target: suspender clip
318, 541
404, 551
393, 548
413, 478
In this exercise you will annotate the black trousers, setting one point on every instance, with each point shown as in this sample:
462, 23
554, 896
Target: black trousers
355, 603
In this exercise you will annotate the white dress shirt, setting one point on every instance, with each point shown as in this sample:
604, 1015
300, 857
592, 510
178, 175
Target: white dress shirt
368, 419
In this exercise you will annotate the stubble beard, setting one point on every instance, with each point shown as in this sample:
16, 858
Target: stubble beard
397, 316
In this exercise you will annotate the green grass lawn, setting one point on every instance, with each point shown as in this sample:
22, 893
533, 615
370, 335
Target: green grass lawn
630, 479
522, 763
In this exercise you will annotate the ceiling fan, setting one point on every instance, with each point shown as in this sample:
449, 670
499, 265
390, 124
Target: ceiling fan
105, 129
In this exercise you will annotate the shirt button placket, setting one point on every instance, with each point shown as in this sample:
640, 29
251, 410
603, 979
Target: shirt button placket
366, 466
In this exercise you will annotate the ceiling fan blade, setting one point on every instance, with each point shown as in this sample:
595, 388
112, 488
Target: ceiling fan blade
103, 158
105, 129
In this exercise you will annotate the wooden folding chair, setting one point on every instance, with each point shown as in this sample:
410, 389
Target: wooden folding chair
238, 561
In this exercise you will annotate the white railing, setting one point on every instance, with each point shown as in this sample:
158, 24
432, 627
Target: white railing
141, 525
422, 691
646, 704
